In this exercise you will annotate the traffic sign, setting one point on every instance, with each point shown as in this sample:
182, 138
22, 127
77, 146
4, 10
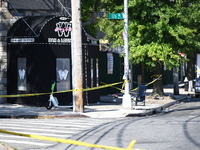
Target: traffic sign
116, 16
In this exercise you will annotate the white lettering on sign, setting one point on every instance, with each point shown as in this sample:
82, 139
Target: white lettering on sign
22, 40
59, 40
63, 18
63, 29
63, 74
21, 74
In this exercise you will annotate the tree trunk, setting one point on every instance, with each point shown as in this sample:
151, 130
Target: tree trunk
158, 85
190, 73
175, 81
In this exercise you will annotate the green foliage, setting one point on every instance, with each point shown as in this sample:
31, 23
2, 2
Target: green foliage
150, 54
158, 29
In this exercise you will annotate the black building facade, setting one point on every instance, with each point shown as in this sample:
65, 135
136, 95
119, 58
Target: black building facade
39, 51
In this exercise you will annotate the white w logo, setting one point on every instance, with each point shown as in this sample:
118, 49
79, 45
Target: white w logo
63, 74
21, 74
63, 28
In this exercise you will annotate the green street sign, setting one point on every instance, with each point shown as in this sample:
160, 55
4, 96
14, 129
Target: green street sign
116, 16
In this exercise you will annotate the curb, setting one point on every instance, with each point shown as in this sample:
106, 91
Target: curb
149, 113
145, 112
155, 110
159, 109
43, 116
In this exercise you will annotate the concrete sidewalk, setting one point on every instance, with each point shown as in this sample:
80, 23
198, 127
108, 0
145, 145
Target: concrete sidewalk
110, 109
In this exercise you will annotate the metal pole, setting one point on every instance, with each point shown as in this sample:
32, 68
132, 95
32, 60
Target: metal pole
77, 54
126, 102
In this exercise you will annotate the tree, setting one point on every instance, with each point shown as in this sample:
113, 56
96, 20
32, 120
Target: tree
158, 31
162, 30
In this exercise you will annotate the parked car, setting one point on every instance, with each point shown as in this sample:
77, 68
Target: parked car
197, 87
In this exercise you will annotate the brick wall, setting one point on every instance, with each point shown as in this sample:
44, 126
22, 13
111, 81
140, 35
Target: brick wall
5, 17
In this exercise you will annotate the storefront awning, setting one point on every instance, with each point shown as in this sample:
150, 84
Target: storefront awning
45, 30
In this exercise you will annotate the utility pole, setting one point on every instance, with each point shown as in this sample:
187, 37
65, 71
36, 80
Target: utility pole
77, 54
126, 101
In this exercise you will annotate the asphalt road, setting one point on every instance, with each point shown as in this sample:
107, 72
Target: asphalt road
177, 127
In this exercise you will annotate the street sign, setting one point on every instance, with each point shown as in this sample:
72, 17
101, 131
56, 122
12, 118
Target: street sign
116, 16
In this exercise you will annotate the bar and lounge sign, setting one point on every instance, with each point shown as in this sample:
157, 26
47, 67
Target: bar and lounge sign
63, 29
56, 30
59, 40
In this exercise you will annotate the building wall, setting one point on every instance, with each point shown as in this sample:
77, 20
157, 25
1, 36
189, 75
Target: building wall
5, 22
111, 71
7, 18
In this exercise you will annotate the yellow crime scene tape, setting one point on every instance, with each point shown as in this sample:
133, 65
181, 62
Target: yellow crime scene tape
112, 86
68, 141
73, 90
159, 76
122, 89
74, 142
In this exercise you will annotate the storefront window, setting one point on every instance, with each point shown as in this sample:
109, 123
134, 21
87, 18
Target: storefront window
92, 75
97, 71
63, 73
110, 63
22, 83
